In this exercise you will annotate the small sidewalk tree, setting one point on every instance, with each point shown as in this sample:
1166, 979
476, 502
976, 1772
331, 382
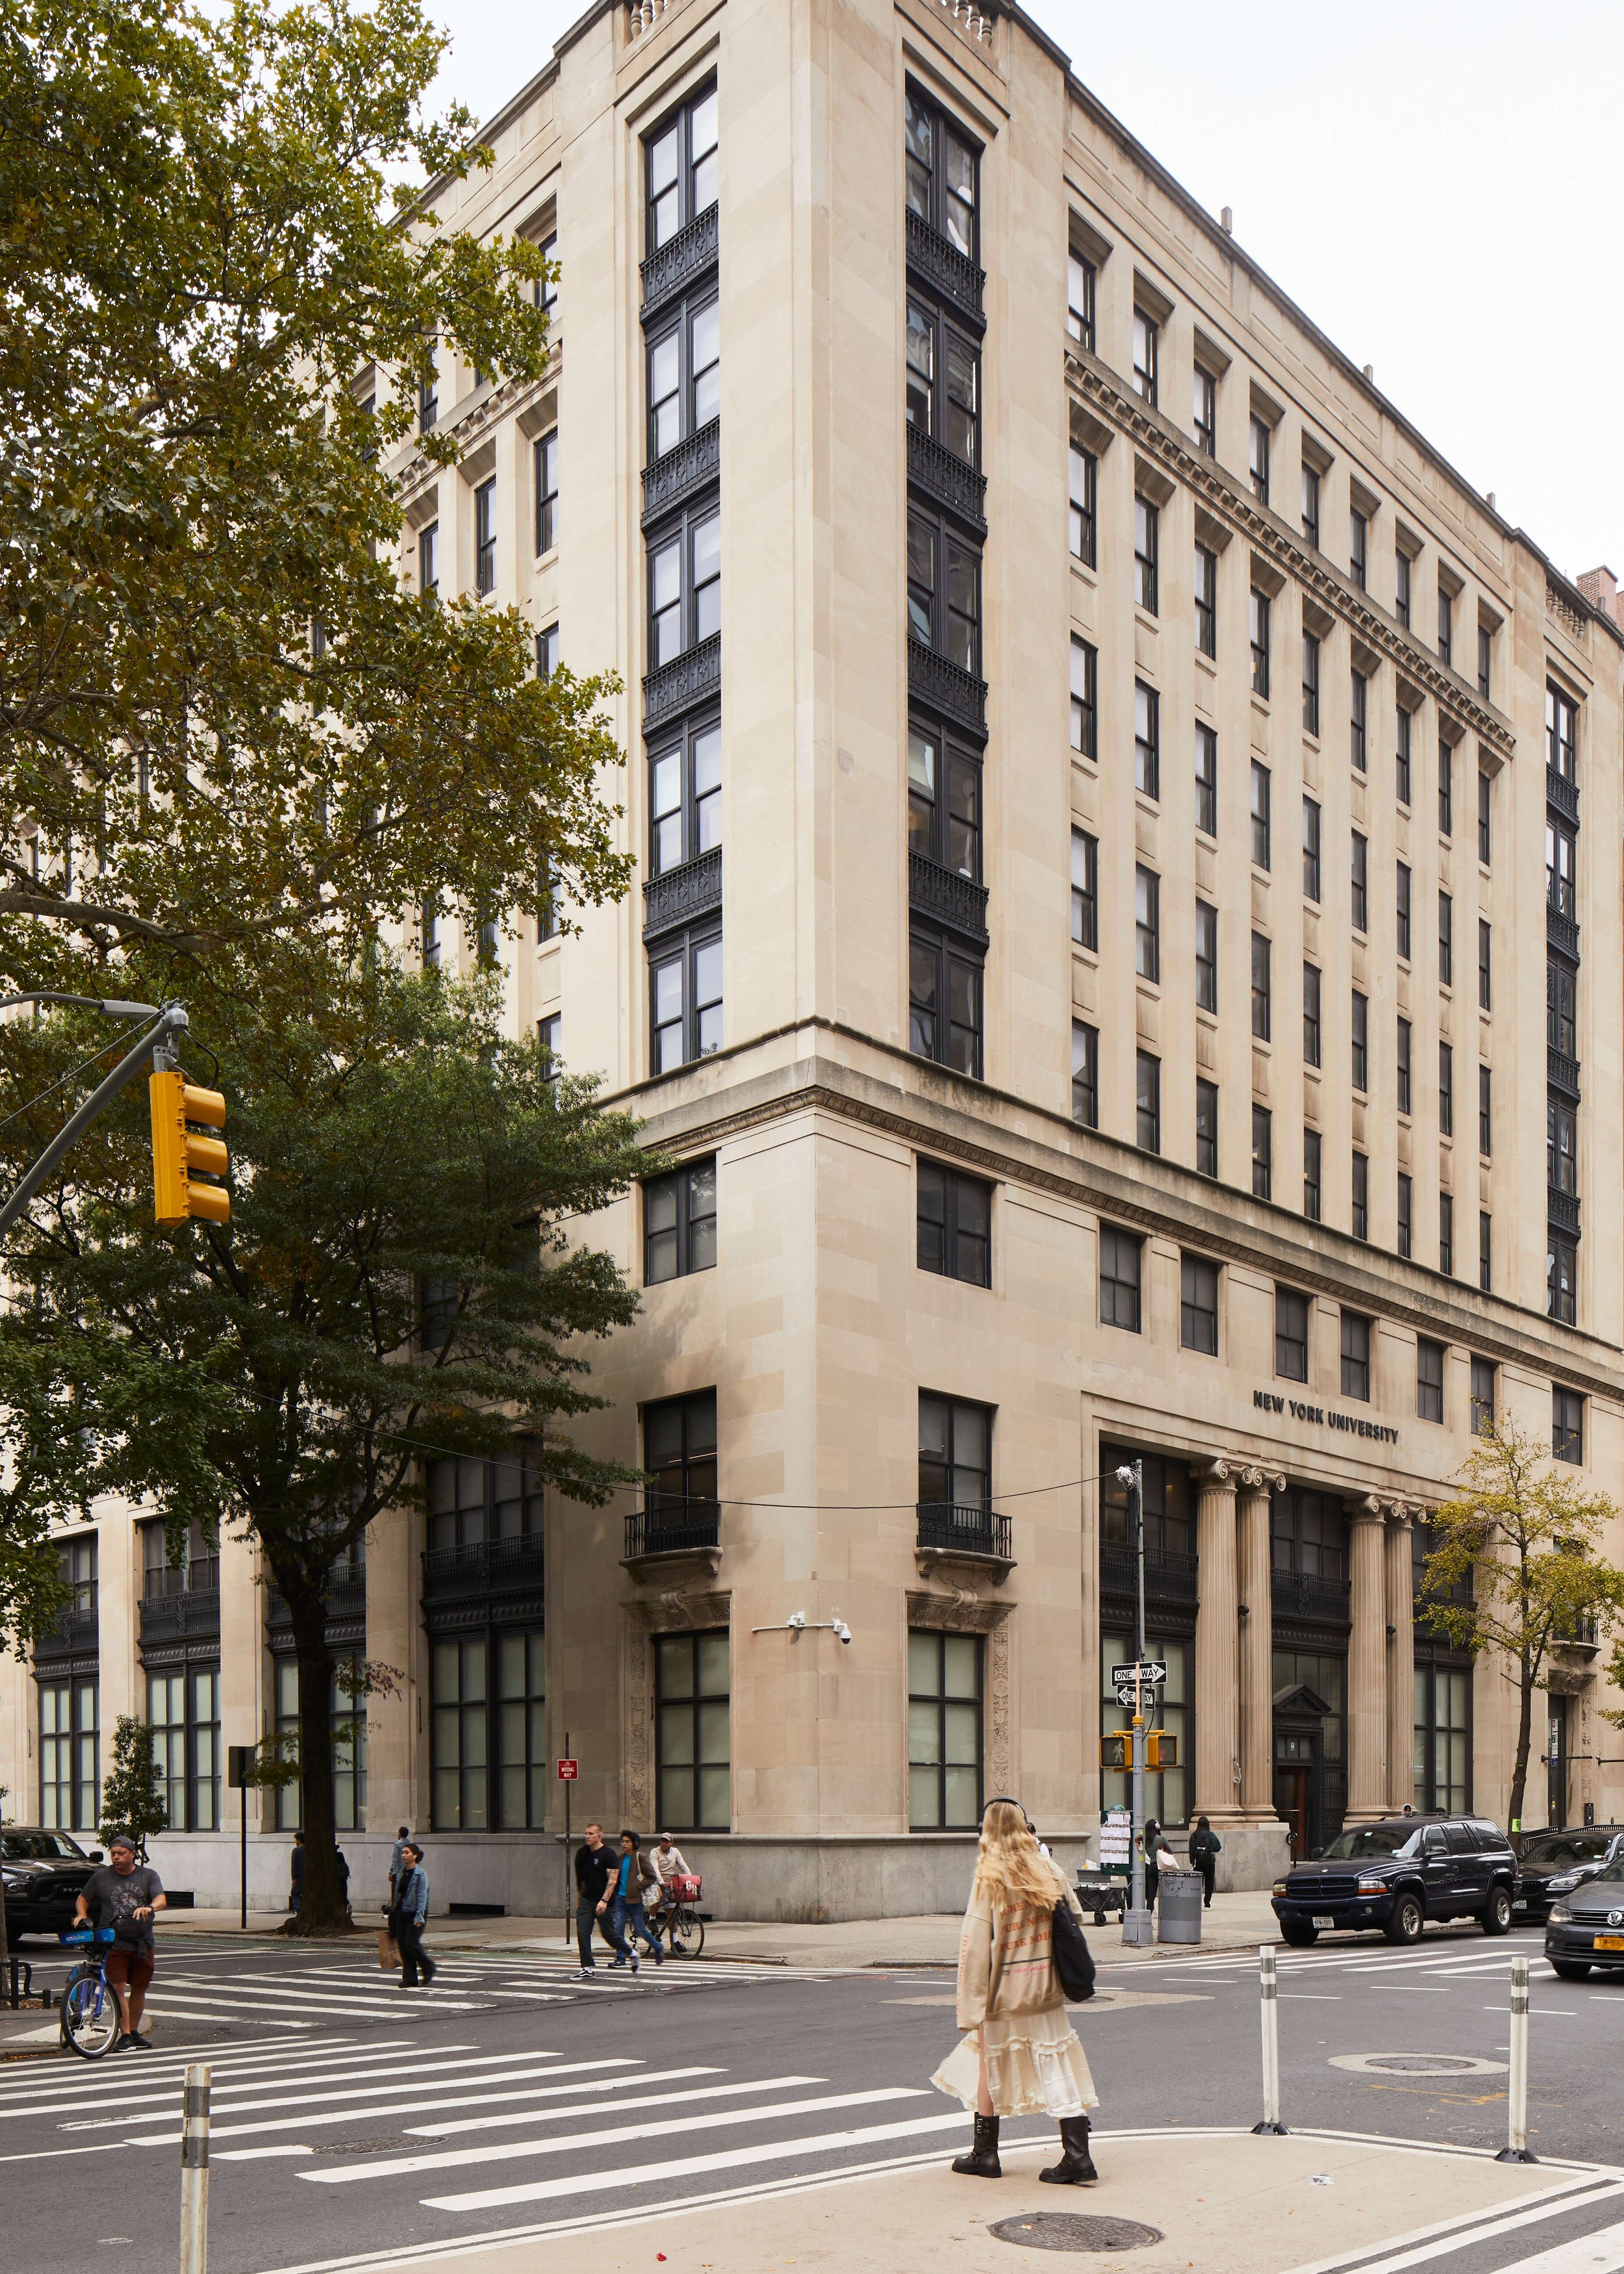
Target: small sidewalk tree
1517, 1547
131, 1798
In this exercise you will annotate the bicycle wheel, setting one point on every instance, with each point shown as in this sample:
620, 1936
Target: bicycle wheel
89, 2017
687, 1933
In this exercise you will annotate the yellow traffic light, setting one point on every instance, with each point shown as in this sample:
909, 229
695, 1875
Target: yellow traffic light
1116, 1748
1161, 1750
183, 1160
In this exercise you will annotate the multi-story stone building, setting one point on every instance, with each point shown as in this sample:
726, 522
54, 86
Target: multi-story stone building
1127, 954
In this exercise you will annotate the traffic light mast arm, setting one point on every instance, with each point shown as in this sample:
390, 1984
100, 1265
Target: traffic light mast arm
171, 1022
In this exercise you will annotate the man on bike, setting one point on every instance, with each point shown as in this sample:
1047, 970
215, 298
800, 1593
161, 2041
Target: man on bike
125, 1895
667, 1859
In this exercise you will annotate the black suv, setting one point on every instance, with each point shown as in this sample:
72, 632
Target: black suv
1398, 1874
1555, 1863
43, 1872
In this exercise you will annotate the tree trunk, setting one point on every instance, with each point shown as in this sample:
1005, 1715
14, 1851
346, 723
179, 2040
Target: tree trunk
1525, 1726
322, 1901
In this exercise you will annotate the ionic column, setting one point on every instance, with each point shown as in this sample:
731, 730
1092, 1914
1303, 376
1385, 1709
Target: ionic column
1257, 1647
1217, 1687
1400, 1657
1367, 1667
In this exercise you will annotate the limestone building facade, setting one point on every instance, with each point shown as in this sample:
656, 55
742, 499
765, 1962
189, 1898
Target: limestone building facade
1126, 953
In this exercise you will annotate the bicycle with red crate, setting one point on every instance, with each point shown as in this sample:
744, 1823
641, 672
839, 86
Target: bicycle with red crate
679, 1921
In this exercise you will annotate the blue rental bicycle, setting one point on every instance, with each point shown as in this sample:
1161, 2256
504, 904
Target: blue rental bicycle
90, 2017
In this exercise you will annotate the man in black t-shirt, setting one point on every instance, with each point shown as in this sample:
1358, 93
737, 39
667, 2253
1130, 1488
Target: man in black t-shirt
596, 1865
125, 1895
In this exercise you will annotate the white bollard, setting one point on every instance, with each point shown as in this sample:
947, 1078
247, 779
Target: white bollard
1517, 2149
1271, 2046
194, 2174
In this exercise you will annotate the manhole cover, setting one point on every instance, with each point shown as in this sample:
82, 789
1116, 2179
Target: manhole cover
1419, 2064
358, 2147
1069, 2229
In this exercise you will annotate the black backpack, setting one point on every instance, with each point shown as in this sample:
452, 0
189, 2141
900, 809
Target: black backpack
1073, 1959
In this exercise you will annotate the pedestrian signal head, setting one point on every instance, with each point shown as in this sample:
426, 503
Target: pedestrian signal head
189, 1167
1116, 1748
1161, 1750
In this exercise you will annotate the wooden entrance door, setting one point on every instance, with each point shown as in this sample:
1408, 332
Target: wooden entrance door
1291, 1806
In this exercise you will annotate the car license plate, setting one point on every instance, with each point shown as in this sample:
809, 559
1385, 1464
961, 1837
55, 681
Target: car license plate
1608, 1942
1331, 1921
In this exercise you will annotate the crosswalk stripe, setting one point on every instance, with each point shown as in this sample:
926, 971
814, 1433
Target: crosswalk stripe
358, 2083
156, 2090
292, 2005
312, 2052
392, 2166
685, 2166
648, 2100
1601, 2253
1488, 2231
359, 2102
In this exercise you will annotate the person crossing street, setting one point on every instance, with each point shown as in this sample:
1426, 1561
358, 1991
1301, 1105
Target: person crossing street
408, 1916
634, 1876
125, 1895
596, 1870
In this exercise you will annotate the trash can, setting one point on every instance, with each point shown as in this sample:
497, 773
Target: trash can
1178, 1906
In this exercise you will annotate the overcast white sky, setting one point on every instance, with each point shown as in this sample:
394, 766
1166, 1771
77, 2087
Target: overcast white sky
1436, 184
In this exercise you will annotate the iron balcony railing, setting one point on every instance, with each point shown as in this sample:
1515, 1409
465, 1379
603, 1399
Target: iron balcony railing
668, 1526
484, 1567
676, 264
177, 1618
959, 1531
681, 896
941, 264
1563, 793
958, 901
1170, 1575
1311, 1595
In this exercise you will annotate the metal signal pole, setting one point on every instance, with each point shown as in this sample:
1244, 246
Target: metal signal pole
1138, 1926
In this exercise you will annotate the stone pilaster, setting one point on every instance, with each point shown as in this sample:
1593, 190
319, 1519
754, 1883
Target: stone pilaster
394, 1793
1217, 1735
1257, 1651
1367, 1666
1401, 1638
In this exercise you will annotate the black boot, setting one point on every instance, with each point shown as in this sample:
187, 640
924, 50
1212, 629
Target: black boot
1075, 2168
983, 2160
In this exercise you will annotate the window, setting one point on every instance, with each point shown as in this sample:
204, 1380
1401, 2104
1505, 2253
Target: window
1310, 684
1147, 1102
1260, 814
1358, 711
428, 400
1197, 1306
1446, 1235
1311, 505
1400, 588
1082, 281
693, 1749
1446, 940
1446, 626
546, 652
1406, 1216
428, 561
1361, 1040
484, 537
197, 1573
1147, 343
1313, 1180
684, 373
685, 984
1561, 868
1206, 955
1360, 1203
549, 1033
546, 290
1446, 1091
1566, 1425
679, 1222
1561, 1145
944, 382
471, 1501
1121, 1255
954, 1237
1084, 506
1445, 789
1486, 964
681, 159
680, 1454
1260, 643
1561, 1008
945, 829
1485, 808
1402, 1067
184, 1709
1147, 739
1358, 547
1147, 923
1356, 1356
685, 584
1361, 864
1258, 459
546, 490
1260, 986
1429, 1380
1262, 1152
1485, 1251
1085, 889
1146, 547
70, 1755
944, 1731
1561, 732
1311, 848
1561, 1276
1291, 1334
1485, 1117
1310, 1015
1207, 781
1403, 730
1085, 1074
1203, 412
1486, 660
685, 797
944, 1002
955, 1454
1085, 704
1206, 600
941, 174
1167, 1791
348, 1721
1205, 1127
1443, 1739
1403, 910
1482, 1395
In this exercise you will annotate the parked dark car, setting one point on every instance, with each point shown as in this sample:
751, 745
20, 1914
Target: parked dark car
1555, 1863
43, 1872
1397, 1874
1586, 1928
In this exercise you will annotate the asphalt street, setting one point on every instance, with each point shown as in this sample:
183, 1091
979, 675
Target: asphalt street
347, 2113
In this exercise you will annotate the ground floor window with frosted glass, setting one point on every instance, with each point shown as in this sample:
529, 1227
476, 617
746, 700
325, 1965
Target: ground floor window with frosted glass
945, 1732
693, 1750
1443, 1738
1167, 1791
70, 1767
460, 1735
349, 1752
182, 1706
521, 1710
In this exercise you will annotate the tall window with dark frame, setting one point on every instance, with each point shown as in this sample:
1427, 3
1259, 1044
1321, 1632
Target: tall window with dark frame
546, 652
1401, 1065
1313, 1194
1291, 1334
1445, 788
944, 1002
1446, 626
1146, 740
1485, 1251
1197, 1304
1262, 1152
1446, 1089
1486, 810
1122, 1255
1561, 732
1146, 355
1260, 814
944, 1731
1562, 1006
1311, 504
1084, 697
1084, 506
1310, 684
955, 1456
1204, 411
692, 1750
1205, 1127
547, 457
1485, 1112
1567, 1424
1085, 1074
1402, 906
1358, 547
1406, 1216
1147, 1101
681, 157
685, 583
1311, 1034
1085, 889
954, 1230
945, 801
484, 537
1401, 586
1311, 848
1403, 730
1483, 1372
1429, 1380
1356, 1356
1360, 1037
1562, 1146
685, 990
1207, 779
1359, 1206
943, 381
1486, 660
428, 561
684, 373
1561, 868
685, 795
1446, 1235
1207, 601
680, 1454
942, 174
1486, 964
1446, 940
1258, 457
1360, 881
1259, 632
1146, 924
945, 591
679, 1222
1358, 711
1082, 292
1561, 1276
1206, 956
1262, 991
1147, 554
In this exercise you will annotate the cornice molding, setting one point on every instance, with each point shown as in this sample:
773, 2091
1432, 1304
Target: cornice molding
470, 427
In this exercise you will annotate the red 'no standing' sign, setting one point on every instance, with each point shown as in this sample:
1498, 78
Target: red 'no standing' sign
569, 1769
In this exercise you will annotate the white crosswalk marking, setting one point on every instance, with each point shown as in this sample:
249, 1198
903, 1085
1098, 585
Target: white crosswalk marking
1602, 2253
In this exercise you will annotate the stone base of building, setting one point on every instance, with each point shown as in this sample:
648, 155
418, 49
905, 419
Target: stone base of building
1255, 1855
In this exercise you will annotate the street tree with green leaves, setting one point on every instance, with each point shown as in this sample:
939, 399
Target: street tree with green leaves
1514, 1567
132, 1796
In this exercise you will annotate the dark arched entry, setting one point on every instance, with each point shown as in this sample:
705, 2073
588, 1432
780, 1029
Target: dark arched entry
1299, 1767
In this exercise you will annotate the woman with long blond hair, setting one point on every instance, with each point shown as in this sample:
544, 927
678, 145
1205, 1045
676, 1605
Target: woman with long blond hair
1019, 2055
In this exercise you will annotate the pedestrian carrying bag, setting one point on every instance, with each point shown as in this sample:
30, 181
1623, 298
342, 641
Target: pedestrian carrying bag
389, 1951
1073, 1959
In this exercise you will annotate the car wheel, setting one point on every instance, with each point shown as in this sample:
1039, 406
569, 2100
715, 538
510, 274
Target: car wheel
1495, 1918
1407, 1921
1299, 1937
1570, 1969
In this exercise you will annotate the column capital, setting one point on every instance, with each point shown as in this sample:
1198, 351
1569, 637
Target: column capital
1366, 1510
1401, 1514
1221, 1469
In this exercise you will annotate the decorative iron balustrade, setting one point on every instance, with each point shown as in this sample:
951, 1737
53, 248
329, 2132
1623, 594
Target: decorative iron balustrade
685, 681
484, 1569
75, 1634
683, 258
1561, 1072
956, 901
344, 1601
954, 274
945, 686
1310, 1595
1562, 1209
956, 1531
189, 1617
1561, 931
1563, 793
1170, 1577
679, 473
949, 481
669, 1531
681, 895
